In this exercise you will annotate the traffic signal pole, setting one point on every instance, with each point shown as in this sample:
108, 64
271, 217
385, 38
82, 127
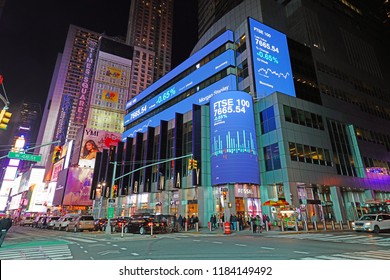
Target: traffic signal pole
110, 203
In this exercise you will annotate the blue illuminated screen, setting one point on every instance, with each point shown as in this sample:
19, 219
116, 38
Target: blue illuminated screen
216, 65
234, 157
271, 60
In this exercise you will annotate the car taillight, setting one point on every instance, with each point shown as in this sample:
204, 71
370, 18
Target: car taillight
150, 224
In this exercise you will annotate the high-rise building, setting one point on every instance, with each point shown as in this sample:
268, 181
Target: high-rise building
150, 32
89, 88
280, 100
72, 79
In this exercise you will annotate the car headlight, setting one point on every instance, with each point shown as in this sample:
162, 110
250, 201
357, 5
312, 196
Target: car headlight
367, 224
353, 224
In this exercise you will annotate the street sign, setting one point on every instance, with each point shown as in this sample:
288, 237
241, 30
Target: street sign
110, 212
23, 156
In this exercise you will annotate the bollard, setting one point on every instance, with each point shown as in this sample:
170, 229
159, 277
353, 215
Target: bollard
324, 224
227, 228
333, 228
122, 231
209, 225
266, 226
296, 226
349, 225
282, 226
197, 227
151, 229
315, 225
238, 226
305, 223
341, 225
185, 227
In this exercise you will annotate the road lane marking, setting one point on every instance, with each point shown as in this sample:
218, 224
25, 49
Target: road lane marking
300, 252
267, 248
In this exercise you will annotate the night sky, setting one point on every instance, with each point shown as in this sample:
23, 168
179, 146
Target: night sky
32, 33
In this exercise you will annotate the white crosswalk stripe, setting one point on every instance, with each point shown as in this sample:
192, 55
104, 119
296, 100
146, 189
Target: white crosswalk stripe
57, 252
369, 255
349, 238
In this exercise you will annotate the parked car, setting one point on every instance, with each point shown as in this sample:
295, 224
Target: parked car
372, 223
42, 222
143, 225
34, 223
26, 221
62, 222
118, 223
51, 220
81, 223
100, 224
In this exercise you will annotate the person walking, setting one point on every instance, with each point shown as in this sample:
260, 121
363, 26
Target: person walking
5, 225
180, 222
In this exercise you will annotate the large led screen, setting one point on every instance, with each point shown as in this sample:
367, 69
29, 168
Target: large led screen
234, 157
271, 60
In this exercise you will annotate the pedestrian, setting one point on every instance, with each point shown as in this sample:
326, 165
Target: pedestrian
214, 222
5, 225
180, 222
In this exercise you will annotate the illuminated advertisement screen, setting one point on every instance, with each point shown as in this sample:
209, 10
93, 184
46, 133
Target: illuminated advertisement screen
95, 141
216, 65
234, 156
271, 60
78, 187
225, 37
200, 98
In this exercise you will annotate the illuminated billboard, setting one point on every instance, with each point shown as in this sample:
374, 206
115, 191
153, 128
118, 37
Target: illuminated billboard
234, 157
201, 97
219, 63
78, 187
271, 60
95, 141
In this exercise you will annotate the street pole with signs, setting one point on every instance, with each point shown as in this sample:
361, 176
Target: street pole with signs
111, 202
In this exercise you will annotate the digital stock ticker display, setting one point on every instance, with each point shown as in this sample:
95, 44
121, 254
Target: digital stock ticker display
271, 60
234, 155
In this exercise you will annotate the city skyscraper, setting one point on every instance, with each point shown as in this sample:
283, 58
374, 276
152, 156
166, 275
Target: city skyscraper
150, 32
72, 76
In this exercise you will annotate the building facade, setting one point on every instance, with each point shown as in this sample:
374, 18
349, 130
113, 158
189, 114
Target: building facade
319, 147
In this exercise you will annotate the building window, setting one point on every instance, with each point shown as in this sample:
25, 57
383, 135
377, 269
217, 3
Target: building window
272, 157
267, 120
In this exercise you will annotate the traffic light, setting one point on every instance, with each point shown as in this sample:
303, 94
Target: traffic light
56, 154
194, 164
114, 191
4, 119
190, 163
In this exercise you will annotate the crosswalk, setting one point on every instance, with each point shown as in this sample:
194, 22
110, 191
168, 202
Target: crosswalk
368, 255
55, 252
346, 238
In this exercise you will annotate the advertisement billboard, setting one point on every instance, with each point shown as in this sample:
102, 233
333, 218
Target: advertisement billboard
271, 60
95, 141
234, 157
78, 187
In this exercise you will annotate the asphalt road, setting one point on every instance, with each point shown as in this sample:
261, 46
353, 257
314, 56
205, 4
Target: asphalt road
23, 243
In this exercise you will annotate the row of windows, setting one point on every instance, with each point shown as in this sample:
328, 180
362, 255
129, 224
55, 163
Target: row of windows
369, 162
374, 137
342, 151
302, 117
309, 154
